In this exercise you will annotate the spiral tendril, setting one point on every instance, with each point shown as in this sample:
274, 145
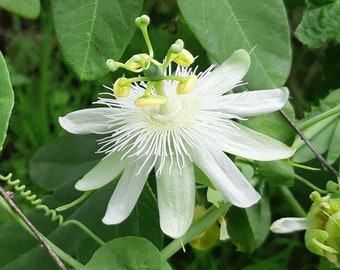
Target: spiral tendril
32, 198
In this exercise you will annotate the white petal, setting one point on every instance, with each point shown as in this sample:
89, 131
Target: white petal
251, 144
225, 176
126, 193
291, 224
176, 198
251, 103
86, 121
104, 172
226, 76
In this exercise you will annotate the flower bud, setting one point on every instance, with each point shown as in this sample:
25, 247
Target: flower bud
151, 100
187, 85
120, 89
184, 58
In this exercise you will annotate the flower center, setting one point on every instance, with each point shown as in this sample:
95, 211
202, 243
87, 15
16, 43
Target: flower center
173, 114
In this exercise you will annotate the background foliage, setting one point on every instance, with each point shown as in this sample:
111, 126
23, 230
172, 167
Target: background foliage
56, 53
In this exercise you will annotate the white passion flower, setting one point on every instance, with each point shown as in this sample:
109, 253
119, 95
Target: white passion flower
196, 127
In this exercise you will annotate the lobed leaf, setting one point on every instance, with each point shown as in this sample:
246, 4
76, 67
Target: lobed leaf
320, 25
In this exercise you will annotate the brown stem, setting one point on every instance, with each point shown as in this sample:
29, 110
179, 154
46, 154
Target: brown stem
32, 228
322, 160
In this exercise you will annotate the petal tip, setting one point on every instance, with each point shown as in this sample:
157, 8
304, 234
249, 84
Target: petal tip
173, 231
255, 198
68, 125
110, 221
81, 186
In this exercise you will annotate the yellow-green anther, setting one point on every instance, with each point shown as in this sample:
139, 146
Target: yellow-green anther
137, 61
186, 86
184, 58
152, 100
325, 206
111, 65
121, 89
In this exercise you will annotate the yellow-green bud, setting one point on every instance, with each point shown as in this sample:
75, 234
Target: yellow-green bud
184, 58
187, 85
151, 100
121, 89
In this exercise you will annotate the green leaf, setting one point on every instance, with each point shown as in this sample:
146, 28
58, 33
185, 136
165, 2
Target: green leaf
276, 173
248, 228
91, 31
57, 156
319, 3
6, 99
260, 27
260, 219
126, 253
29, 9
320, 25
239, 230
322, 129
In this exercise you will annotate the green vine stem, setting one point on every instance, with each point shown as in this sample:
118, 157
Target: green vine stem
32, 198
196, 229
320, 117
293, 203
86, 230
307, 183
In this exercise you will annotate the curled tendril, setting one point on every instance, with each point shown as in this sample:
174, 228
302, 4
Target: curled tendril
32, 198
